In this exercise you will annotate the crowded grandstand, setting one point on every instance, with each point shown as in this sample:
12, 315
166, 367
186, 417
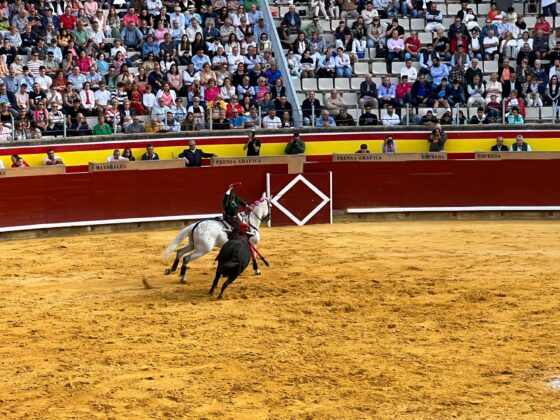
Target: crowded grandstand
100, 68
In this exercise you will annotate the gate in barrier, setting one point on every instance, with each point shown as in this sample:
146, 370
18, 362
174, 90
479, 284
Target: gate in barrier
300, 199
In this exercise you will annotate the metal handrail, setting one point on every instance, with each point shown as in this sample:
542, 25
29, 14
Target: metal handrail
282, 64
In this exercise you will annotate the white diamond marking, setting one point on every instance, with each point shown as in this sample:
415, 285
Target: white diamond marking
288, 187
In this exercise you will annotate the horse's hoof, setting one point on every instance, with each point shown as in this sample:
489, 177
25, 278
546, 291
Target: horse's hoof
220, 297
183, 281
167, 272
258, 272
211, 292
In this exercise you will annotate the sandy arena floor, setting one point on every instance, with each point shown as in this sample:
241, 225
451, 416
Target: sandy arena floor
382, 320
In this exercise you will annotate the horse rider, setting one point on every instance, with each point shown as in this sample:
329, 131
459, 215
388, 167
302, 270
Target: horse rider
231, 205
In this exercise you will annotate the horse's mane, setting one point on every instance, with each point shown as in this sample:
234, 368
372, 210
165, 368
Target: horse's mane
254, 205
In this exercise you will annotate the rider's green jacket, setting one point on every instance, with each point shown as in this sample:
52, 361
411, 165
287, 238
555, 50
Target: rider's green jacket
231, 204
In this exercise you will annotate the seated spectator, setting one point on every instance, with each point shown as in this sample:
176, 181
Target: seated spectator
236, 121
363, 149
286, 120
438, 72
480, 117
491, 44
342, 64
412, 47
326, 65
343, 119
170, 124
426, 59
515, 102
295, 146
520, 145
410, 118
531, 89
52, 159
409, 70
434, 18
271, 120
102, 128
325, 120
282, 105
395, 50
386, 94
493, 109
154, 126
19, 162
476, 91
150, 153
499, 146
368, 118
136, 127
310, 108
292, 19
368, 92
514, 117
79, 127
335, 103
116, 156
390, 117
222, 122
429, 119
456, 94
552, 94
494, 87
348, 9
421, 92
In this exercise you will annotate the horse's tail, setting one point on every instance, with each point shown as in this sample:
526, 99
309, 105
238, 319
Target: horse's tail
178, 239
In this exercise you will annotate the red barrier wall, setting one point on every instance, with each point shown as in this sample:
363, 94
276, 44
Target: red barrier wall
125, 194
443, 183
129, 194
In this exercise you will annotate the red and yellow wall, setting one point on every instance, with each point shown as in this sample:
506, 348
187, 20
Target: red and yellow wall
319, 146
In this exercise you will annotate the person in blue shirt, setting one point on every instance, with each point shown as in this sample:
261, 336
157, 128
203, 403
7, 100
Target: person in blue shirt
272, 74
150, 46
200, 59
131, 36
325, 120
236, 121
438, 71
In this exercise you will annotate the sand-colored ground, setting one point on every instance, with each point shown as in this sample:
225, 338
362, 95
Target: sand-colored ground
381, 320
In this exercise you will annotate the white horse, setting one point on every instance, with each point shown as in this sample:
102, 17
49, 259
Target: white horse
207, 234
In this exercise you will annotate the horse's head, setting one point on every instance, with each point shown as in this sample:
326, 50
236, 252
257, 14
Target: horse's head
260, 209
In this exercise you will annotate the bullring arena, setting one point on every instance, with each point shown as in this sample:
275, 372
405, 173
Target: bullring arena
434, 294
383, 320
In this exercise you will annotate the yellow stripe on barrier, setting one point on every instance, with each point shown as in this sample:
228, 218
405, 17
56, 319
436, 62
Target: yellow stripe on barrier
83, 157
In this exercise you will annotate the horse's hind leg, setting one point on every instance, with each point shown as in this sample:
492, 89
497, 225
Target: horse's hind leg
255, 264
196, 254
230, 280
178, 255
214, 283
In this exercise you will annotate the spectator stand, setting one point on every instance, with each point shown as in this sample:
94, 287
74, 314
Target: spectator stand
377, 66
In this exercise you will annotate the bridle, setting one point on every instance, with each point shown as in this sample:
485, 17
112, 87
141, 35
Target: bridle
251, 210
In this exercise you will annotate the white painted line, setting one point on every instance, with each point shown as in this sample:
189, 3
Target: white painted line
458, 209
108, 222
